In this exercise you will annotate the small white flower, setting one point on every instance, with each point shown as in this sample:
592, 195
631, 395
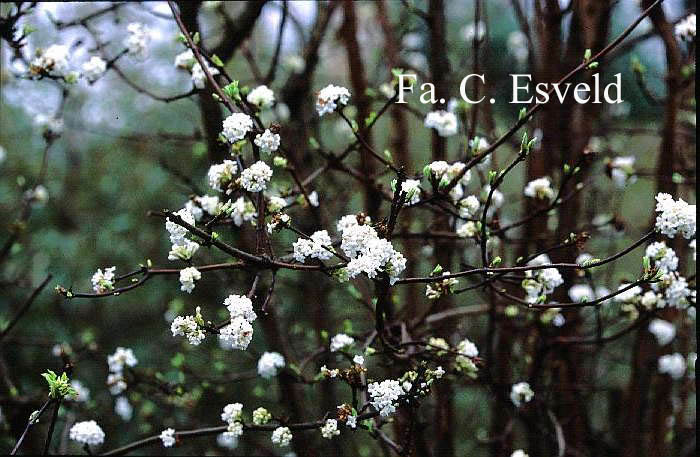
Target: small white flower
467, 230
351, 421
329, 97
358, 360
261, 416
281, 436
269, 364
188, 276
94, 68
313, 248
384, 395
137, 40
123, 409
232, 412
341, 341
178, 232
411, 187
675, 216
685, 29
240, 306
267, 141
330, 429
122, 357
83, 393
581, 292
628, 296
220, 175
672, 364
468, 207
53, 60
103, 281
188, 327
261, 96
236, 126
519, 453
444, 122
199, 77
183, 251
663, 256
256, 177
540, 188
185, 60
663, 331
167, 436
239, 333
87, 432
622, 170
521, 393
116, 383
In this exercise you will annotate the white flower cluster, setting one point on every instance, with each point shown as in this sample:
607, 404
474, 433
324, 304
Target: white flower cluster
664, 331
330, 429
519, 453
255, 177
185, 60
167, 436
329, 97
541, 282
463, 362
122, 357
468, 207
261, 416
190, 327
232, 415
445, 287
368, 253
137, 40
410, 187
521, 393
267, 141
87, 432
313, 248
239, 333
220, 175
385, 395
188, 276
341, 341
281, 436
622, 170
261, 96
663, 256
444, 122
82, 392
269, 364
673, 365
540, 188
236, 126
182, 248
675, 216
467, 230
199, 76
53, 60
242, 211
123, 408
103, 281
94, 68
209, 204
676, 291
685, 29
630, 295
581, 292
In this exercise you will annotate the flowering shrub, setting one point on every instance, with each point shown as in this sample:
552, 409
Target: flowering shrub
336, 271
